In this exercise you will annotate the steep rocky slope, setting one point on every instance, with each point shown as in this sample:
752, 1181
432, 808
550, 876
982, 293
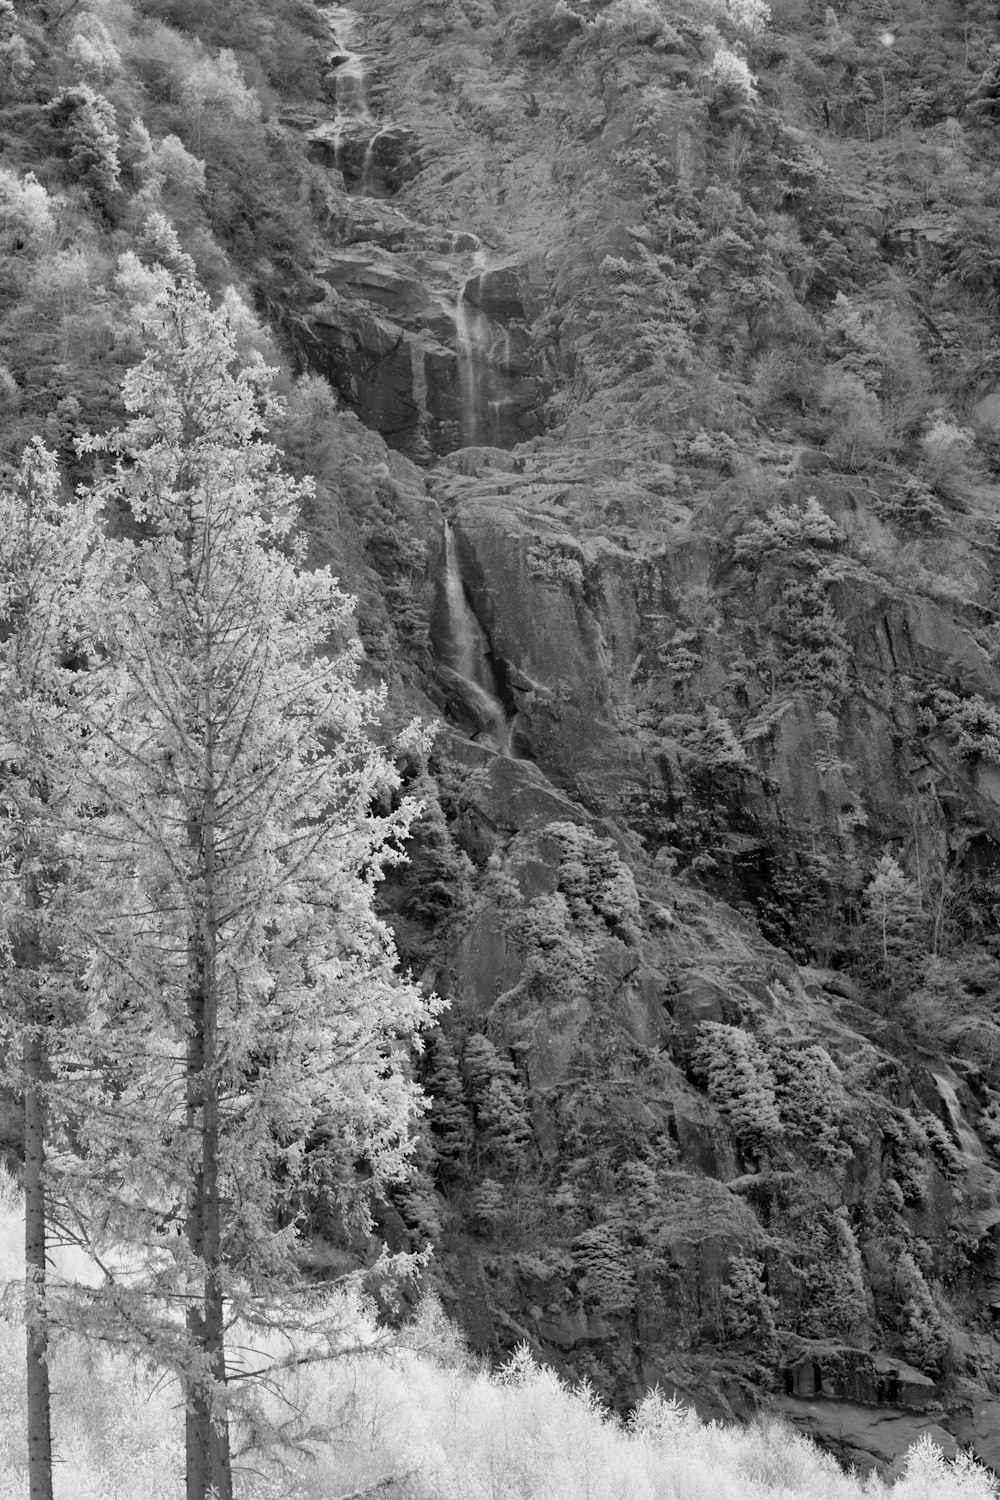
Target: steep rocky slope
698, 370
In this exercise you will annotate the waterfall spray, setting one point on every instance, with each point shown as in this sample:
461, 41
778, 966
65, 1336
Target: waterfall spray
469, 368
418, 379
465, 651
350, 94
484, 352
367, 186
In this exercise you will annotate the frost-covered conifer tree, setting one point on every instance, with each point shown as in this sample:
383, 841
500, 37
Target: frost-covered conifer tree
243, 993
891, 937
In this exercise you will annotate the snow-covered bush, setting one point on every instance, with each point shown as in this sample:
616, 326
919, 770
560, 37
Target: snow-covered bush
740, 1081
747, 1309
949, 451
415, 1406
178, 169
925, 1337
788, 529
27, 223
731, 78
93, 51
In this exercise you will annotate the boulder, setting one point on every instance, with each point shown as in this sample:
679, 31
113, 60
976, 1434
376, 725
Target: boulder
986, 413
899, 1384
515, 795
497, 292
978, 1428
374, 162
868, 1437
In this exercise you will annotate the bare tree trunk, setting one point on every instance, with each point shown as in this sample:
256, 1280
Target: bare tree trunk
37, 1370
209, 1465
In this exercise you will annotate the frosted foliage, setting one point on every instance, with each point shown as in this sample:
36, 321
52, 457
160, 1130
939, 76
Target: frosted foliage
226, 655
63, 281
631, 16
788, 528
249, 334
891, 905
159, 240
750, 16
93, 51
595, 881
10, 391
177, 167
15, 59
140, 285
855, 415
731, 73
26, 220
947, 448
927, 1475
137, 149
740, 1082
216, 85
88, 119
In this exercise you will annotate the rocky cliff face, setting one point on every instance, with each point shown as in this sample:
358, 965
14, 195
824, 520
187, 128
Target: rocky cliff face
688, 537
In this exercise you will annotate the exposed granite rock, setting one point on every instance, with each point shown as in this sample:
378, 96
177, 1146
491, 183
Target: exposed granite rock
668, 734
388, 338
374, 161
864, 1436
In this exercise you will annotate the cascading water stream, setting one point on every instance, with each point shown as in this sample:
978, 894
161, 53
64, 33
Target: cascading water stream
418, 379
368, 185
469, 368
465, 652
483, 350
460, 372
350, 94
350, 90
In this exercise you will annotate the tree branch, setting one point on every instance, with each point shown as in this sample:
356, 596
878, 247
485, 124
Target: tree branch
380, 1484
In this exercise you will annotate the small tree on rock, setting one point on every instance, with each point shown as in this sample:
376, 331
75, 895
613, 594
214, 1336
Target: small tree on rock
891, 936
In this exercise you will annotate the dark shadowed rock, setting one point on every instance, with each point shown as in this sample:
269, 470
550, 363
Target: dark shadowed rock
869, 1438
498, 293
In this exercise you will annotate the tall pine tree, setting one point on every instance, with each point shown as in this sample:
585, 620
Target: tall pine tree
242, 990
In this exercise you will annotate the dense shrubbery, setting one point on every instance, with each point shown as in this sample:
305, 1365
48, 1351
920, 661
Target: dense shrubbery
415, 1406
969, 721
740, 1082
791, 553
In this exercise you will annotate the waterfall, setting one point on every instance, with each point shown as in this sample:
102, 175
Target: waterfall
338, 140
484, 357
367, 185
350, 94
465, 651
469, 367
418, 381
350, 91
496, 409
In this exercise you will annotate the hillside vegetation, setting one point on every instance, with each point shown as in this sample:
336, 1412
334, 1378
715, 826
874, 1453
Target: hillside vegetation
427, 1418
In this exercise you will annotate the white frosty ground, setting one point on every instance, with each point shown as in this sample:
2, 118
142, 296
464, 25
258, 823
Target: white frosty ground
449, 1430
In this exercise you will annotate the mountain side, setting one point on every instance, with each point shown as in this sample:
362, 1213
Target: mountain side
713, 1107
645, 361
